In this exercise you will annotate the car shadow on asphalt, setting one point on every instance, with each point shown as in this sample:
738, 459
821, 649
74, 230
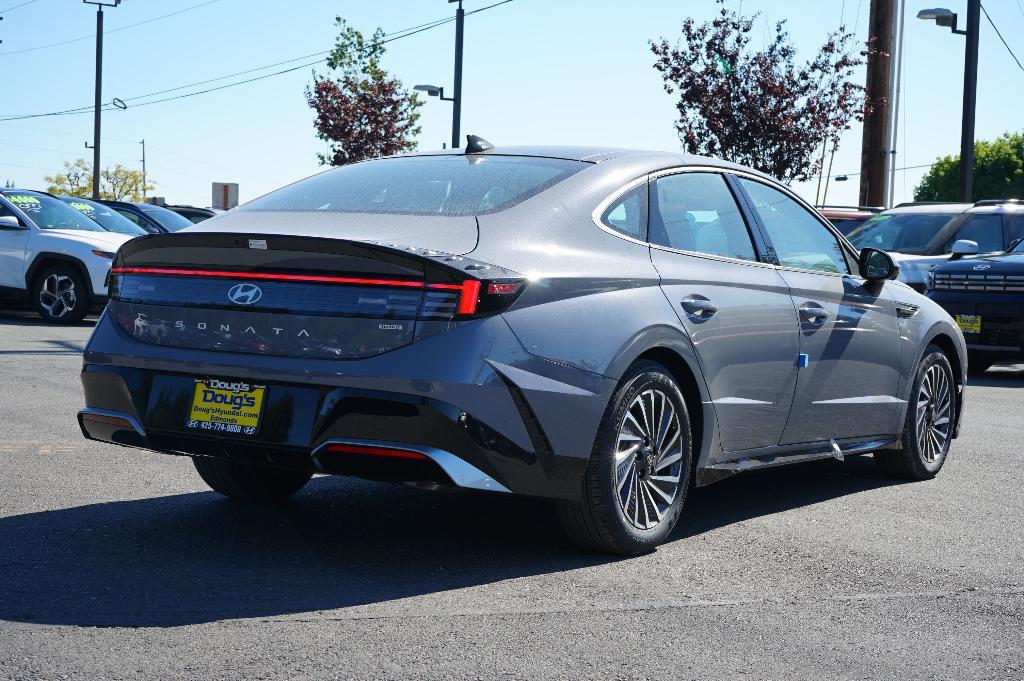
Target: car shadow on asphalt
195, 558
999, 376
26, 317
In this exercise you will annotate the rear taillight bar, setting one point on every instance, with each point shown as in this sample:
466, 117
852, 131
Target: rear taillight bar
469, 289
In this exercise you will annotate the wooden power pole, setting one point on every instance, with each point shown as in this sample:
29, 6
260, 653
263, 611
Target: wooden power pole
876, 130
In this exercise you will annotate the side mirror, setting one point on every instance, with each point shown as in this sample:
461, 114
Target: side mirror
876, 265
9, 222
962, 247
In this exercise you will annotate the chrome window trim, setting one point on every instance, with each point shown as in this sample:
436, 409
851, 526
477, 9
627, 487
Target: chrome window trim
829, 227
604, 205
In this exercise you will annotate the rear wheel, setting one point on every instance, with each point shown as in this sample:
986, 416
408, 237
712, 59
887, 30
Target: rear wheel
60, 295
249, 482
639, 470
928, 429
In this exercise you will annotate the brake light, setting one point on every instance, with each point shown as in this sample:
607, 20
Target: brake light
372, 450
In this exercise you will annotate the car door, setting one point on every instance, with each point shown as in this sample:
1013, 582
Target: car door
848, 328
13, 242
735, 307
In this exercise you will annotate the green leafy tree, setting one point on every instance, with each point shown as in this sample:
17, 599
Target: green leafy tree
998, 172
117, 183
361, 111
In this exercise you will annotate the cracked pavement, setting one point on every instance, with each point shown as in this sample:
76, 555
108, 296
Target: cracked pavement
117, 563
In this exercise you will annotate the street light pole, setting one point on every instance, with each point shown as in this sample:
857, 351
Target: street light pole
460, 17
970, 100
99, 93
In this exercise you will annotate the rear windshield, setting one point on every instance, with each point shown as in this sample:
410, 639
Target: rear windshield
422, 185
901, 233
50, 213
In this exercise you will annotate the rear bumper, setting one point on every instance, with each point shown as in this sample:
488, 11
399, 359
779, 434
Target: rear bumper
487, 414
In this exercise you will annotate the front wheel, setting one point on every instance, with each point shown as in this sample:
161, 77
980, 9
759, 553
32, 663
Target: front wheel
639, 471
60, 295
249, 482
928, 429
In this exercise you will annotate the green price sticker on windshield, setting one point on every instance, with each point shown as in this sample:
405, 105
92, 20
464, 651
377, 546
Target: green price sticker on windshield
22, 199
83, 207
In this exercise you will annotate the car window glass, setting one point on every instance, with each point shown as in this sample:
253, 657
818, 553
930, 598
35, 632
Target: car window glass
629, 213
106, 217
132, 216
5, 211
986, 229
1014, 227
799, 239
900, 232
50, 213
697, 212
167, 218
423, 185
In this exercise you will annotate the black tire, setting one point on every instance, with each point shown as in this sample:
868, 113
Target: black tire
920, 457
248, 482
599, 520
978, 363
60, 295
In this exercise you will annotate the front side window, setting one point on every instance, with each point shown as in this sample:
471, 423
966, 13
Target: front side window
697, 212
985, 229
422, 185
799, 240
628, 214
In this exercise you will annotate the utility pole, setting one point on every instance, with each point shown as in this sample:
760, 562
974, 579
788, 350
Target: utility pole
460, 17
875, 142
895, 77
99, 92
143, 143
970, 100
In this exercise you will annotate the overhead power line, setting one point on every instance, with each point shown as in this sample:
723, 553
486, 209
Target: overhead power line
1005, 44
11, 9
113, 30
388, 38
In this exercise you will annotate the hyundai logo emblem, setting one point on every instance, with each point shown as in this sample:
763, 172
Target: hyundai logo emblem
982, 267
245, 294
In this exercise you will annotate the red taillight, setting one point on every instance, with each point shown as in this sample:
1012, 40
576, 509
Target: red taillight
469, 296
502, 288
372, 450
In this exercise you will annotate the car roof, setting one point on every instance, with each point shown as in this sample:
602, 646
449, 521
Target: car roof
604, 155
928, 207
1013, 208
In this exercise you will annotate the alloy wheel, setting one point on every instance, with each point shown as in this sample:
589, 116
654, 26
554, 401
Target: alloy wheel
57, 295
648, 459
934, 407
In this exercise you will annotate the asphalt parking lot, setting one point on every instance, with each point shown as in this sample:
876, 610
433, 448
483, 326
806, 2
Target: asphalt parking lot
118, 563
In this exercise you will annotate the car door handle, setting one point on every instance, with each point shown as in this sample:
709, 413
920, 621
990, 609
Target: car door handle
812, 313
699, 308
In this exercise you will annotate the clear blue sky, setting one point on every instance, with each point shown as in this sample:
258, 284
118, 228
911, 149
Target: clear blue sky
572, 72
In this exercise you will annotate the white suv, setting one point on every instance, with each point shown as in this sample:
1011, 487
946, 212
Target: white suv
53, 255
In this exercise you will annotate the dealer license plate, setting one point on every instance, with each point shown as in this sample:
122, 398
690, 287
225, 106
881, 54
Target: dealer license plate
969, 323
226, 407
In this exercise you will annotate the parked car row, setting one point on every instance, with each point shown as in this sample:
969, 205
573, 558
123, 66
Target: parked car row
56, 252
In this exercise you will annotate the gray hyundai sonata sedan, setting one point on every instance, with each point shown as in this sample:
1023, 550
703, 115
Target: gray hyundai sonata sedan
604, 328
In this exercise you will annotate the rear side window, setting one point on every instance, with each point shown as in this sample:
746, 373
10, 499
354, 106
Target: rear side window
423, 185
628, 215
986, 229
799, 239
697, 212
